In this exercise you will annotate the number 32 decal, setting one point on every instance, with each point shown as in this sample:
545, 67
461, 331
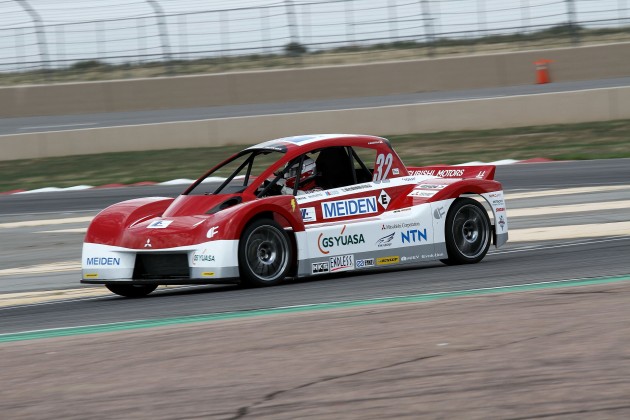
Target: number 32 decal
382, 161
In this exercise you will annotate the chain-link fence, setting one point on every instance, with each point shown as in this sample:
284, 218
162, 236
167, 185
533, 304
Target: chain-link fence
63, 40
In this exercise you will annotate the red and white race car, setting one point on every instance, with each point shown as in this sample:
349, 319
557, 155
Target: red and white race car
297, 207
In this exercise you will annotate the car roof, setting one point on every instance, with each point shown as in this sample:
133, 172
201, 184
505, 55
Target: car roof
315, 141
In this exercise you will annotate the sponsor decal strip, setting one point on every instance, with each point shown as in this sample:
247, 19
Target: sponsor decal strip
365, 263
320, 267
327, 242
442, 173
341, 263
349, 207
159, 224
100, 261
375, 187
388, 260
308, 214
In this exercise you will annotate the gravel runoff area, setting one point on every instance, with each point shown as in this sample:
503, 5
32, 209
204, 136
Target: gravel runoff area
559, 353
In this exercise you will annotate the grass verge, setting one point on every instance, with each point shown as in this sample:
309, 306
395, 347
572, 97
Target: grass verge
596, 140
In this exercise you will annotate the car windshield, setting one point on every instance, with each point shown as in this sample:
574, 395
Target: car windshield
236, 174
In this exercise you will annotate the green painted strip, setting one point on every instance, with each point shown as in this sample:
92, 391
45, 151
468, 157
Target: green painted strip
133, 325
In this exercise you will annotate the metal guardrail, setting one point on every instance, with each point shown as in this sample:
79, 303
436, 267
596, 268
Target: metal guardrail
38, 35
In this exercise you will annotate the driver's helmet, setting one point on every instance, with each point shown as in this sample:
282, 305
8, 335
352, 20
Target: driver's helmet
307, 178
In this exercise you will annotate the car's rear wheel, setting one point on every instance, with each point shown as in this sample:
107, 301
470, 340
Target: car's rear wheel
467, 232
264, 254
131, 290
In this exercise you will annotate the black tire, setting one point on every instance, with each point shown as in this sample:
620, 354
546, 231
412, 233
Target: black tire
265, 254
467, 232
131, 290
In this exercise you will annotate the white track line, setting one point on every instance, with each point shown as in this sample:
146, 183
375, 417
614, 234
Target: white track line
77, 230
10, 301
55, 267
566, 191
562, 245
568, 208
36, 127
549, 233
48, 222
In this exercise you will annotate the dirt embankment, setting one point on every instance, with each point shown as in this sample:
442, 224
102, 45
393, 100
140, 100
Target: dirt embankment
561, 353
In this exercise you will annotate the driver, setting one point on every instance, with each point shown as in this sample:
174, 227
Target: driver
307, 177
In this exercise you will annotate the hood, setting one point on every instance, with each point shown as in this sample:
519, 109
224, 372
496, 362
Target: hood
188, 220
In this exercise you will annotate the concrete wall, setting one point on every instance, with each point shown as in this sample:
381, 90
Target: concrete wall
468, 72
551, 108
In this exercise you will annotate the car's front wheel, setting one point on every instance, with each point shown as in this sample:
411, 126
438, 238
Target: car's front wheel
131, 290
467, 232
264, 253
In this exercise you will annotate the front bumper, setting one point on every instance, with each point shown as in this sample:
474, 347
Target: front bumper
206, 263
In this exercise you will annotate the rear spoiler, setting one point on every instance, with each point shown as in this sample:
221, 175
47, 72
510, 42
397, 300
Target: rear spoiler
445, 171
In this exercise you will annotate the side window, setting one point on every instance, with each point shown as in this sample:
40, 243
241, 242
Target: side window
334, 168
379, 162
363, 159
237, 173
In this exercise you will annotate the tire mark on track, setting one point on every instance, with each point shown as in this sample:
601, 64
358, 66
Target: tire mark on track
244, 411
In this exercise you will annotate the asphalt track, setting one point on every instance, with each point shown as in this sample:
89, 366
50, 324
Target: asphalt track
517, 263
70, 122
513, 177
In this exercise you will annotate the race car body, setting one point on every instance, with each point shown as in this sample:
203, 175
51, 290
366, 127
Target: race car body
296, 207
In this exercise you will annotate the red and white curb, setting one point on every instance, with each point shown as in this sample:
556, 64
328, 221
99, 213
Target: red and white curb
185, 181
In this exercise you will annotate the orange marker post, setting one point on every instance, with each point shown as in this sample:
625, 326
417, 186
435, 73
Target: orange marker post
542, 71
